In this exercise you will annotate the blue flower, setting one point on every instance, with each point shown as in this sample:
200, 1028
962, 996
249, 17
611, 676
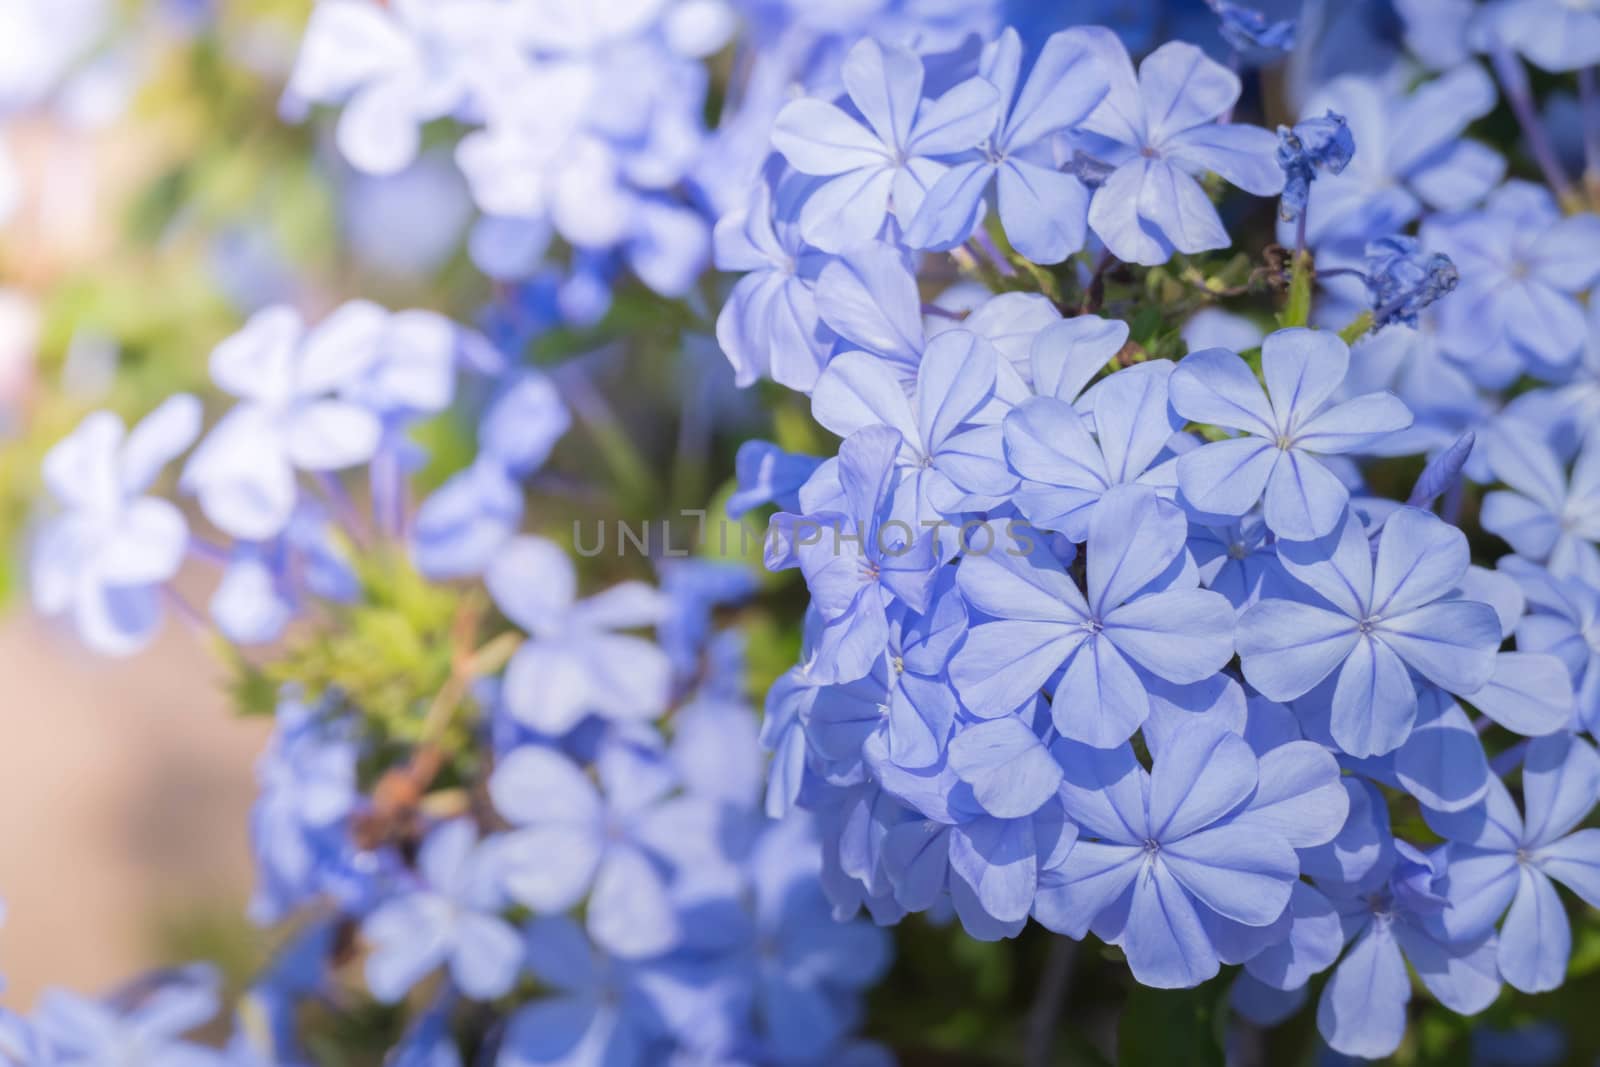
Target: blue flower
1158, 130
945, 452
1285, 430
1136, 617
1522, 267
461, 526
1367, 624
1177, 865
1065, 471
766, 474
1236, 560
1042, 209
1403, 280
1411, 155
889, 158
1250, 32
1500, 859
1316, 145
450, 919
81, 1032
575, 662
1543, 514
1563, 621
769, 326
105, 557
244, 471
394, 69
299, 825
859, 560
1552, 34
807, 965
1390, 918
570, 843
600, 1010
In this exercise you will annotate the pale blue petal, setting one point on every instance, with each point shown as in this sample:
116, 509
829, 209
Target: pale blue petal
1355, 424
1362, 1011
1314, 942
1204, 774
1215, 386
818, 138
1536, 940
998, 859
1442, 763
1420, 559
1183, 635
1304, 499
1166, 945
957, 121
856, 391
1302, 368
1105, 791
1298, 796
1181, 87
1560, 786
1374, 701
1094, 875
1530, 693
1227, 477
1574, 861
1010, 771
1103, 702
1465, 978
1045, 212
1286, 648
1452, 643
1134, 536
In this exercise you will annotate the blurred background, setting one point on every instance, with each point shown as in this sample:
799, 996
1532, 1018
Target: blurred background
151, 197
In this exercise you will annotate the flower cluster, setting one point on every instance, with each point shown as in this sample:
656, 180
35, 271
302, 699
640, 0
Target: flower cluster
1135, 645
1274, 647
425, 801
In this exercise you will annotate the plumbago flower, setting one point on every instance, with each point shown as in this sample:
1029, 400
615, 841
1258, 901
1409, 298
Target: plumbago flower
1392, 917
943, 455
535, 819
243, 473
1410, 156
1542, 514
451, 919
1285, 430
81, 1032
1135, 618
575, 662
106, 556
1501, 859
1522, 266
858, 561
1042, 209
1155, 131
887, 162
1177, 865
1370, 624
1065, 471
770, 326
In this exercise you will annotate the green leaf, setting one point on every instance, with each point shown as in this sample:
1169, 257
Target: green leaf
1168, 1026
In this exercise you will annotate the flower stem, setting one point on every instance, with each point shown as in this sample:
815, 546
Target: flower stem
1589, 102
1519, 94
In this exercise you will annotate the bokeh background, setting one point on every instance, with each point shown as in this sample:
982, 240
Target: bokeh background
151, 197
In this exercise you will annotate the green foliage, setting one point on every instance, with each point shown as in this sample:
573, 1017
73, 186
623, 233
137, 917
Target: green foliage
1161, 1026
386, 657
